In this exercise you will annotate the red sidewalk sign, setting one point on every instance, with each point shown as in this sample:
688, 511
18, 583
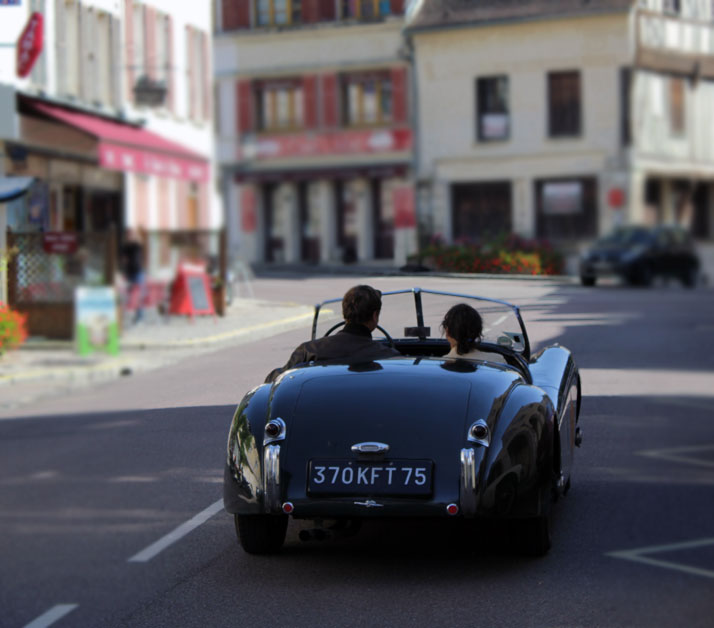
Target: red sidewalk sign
191, 291
59, 242
29, 45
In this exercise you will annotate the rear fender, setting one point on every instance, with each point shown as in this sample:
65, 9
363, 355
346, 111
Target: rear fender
516, 471
242, 486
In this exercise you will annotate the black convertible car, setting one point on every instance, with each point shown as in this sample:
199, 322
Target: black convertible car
412, 436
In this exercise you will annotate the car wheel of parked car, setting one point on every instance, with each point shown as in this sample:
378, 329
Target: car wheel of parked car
587, 281
690, 277
261, 534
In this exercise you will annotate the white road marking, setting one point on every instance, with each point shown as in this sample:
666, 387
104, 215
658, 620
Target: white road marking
673, 454
51, 616
637, 555
148, 553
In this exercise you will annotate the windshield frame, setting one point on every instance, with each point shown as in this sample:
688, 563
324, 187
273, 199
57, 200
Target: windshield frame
417, 292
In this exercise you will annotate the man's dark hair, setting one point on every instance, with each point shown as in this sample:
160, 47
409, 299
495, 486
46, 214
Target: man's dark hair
360, 303
463, 323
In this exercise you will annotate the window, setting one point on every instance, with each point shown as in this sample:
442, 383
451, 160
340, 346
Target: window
365, 9
198, 92
68, 41
367, 98
280, 105
277, 12
672, 6
492, 117
564, 104
139, 36
676, 106
566, 208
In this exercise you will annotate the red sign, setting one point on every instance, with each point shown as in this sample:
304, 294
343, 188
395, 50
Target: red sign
332, 143
115, 157
616, 198
404, 214
191, 291
29, 45
59, 243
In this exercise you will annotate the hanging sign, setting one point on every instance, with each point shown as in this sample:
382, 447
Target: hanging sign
29, 45
59, 242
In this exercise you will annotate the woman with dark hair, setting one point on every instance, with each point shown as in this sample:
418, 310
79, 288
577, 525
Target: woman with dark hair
462, 327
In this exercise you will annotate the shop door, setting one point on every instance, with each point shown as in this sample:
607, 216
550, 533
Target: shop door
309, 226
346, 222
72, 215
383, 222
103, 210
481, 210
274, 244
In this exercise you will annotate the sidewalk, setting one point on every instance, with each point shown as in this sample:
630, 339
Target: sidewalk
42, 367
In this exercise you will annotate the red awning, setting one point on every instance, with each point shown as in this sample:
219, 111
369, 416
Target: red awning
132, 149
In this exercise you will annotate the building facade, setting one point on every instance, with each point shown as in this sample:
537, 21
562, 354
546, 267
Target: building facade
561, 119
314, 138
114, 120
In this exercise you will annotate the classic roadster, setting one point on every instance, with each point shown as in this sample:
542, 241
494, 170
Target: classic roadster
417, 435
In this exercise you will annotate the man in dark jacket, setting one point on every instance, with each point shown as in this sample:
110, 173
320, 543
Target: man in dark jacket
361, 306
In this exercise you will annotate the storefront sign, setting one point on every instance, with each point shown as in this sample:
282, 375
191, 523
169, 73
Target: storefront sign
128, 159
96, 325
29, 45
59, 243
562, 198
404, 210
324, 144
616, 198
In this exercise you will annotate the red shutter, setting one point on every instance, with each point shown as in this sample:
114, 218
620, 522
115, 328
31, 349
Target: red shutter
400, 95
309, 11
129, 34
326, 10
329, 100
150, 38
396, 6
170, 86
207, 77
309, 91
235, 14
244, 93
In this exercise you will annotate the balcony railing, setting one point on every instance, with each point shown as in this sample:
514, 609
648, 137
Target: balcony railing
669, 43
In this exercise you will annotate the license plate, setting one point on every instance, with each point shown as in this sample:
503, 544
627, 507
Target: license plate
356, 477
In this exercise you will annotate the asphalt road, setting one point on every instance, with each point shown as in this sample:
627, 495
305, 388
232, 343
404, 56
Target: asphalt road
110, 510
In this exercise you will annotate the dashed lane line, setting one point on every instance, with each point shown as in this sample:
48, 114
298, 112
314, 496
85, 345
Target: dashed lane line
51, 616
159, 546
638, 556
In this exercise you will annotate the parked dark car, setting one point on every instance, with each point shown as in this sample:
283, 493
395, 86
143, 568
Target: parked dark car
412, 436
638, 254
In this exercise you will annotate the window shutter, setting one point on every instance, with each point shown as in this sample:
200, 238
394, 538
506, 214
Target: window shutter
309, 90
150, 30
396, 6
207, 76
399, 94
170, 81
244, 93
235, 14
61, 48
114, 61
329, 100
190, 73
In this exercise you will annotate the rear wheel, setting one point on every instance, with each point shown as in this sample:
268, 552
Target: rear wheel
535, 536
690, 277
261, 534
587, 281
